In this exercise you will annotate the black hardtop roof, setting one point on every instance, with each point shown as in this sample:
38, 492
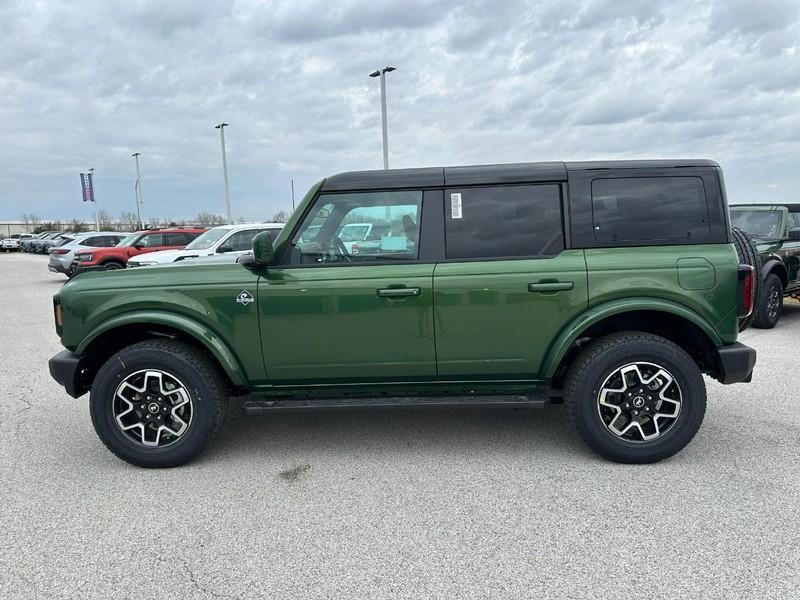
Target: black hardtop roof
531, 172
791, 207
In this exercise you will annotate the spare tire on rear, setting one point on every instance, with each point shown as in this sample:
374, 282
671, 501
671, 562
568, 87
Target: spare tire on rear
748, 255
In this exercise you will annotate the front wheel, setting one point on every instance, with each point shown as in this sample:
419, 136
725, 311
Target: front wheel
635, 397
157, 403
770, 303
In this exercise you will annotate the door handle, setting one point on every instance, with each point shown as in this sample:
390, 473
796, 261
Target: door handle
551, 286
400, 292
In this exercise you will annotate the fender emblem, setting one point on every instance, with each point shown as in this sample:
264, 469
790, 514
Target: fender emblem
245, 298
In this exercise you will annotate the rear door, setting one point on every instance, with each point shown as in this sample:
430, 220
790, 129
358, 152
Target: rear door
508, 285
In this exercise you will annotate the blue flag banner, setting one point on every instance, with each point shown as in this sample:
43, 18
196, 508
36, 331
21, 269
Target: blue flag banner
87, 187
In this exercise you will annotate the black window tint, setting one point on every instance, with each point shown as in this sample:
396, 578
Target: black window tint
92, 242
176, 239
794, 220
649, 208
495, 222
242, 240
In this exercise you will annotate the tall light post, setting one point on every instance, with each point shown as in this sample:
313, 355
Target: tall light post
94, 199
137, 188
382, 74
221, 128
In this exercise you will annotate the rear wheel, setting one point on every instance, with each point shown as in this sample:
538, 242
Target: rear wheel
158, 403
770, 303
635, 397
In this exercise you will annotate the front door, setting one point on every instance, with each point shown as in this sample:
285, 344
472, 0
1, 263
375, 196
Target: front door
328, 314
507, 286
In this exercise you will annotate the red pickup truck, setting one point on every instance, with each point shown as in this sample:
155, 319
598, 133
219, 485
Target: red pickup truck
152, 240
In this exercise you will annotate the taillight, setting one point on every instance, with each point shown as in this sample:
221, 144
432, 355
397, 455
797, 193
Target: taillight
58, 314
746, 290
58, 251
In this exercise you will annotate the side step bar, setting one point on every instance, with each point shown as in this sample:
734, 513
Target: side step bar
266, 405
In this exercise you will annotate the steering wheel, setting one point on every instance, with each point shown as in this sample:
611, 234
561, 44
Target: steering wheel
341, 249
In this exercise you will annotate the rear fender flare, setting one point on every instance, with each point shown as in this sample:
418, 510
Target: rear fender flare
581, 323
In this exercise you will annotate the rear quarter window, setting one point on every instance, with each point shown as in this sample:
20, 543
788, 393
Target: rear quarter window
630, 209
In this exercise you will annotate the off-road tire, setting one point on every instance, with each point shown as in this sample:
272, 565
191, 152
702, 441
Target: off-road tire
601, 358
748, 255
203, 381
765, 316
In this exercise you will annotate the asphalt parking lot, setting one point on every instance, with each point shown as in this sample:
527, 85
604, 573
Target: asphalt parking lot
471, 503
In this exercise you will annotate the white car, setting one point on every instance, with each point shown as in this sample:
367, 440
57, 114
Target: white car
12, 243
230, 240
61, 255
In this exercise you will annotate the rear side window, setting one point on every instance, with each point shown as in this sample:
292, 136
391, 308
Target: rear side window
177, 239
503, 222
629, 209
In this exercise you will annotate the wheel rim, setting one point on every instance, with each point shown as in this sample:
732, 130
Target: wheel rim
152, 408
639, 402
773, 303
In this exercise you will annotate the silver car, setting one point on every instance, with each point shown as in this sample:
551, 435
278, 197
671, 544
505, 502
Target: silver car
61, 256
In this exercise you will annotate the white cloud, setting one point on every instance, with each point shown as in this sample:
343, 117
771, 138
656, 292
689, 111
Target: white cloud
85, 84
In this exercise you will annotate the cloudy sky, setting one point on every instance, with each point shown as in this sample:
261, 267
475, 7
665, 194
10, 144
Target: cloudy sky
85, 84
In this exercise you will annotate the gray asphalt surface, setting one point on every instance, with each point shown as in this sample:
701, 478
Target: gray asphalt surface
392, 504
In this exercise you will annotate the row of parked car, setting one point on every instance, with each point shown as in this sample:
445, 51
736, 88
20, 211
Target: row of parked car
73, 253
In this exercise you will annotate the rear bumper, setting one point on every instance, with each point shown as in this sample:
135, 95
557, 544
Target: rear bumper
68, 369
736, 363
56, 266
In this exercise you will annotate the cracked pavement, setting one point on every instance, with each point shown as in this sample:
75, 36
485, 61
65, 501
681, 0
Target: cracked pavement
392, 504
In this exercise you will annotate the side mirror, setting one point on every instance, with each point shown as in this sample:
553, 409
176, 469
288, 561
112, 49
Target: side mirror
263, 253
138, 246
224, 248
794, 234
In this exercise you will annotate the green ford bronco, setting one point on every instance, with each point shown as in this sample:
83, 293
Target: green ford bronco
776, 231
608, 286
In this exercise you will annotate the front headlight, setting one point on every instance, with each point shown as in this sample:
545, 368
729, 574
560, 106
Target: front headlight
143, 263
83, 257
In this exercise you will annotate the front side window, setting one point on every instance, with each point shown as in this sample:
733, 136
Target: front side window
503, 222
241, 241
362, 227
630, 209
151, 240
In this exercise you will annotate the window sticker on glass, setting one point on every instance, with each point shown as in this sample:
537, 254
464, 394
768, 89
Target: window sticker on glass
455, 206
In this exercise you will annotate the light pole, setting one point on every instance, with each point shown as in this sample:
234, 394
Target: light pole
221, 128
382, 74
137, 188
94, 199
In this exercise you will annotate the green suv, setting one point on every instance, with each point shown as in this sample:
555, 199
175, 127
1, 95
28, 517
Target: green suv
608, 286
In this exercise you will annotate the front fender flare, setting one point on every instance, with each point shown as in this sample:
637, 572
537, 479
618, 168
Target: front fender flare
208, 338
576, 327
774, 264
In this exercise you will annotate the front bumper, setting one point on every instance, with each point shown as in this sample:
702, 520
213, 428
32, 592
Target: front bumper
69, 370
736, 363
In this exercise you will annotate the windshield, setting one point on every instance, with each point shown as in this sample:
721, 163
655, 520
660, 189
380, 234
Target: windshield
758, 223
129, 240
208, 239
